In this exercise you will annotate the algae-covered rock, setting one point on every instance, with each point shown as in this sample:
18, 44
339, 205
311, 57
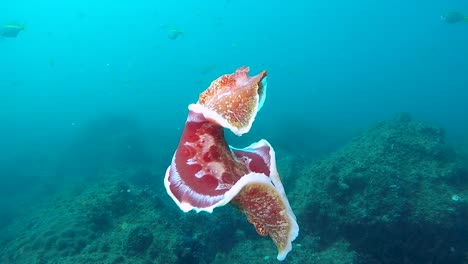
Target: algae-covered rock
390, 191
138, 240
396, 194
111, 221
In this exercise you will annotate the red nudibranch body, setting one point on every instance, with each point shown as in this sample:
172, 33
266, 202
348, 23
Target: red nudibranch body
206, 172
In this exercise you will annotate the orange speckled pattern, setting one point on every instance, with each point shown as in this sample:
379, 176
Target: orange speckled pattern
235, 96
267, 212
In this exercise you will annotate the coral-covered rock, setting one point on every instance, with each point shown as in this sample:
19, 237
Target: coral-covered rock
138, 240
388, 190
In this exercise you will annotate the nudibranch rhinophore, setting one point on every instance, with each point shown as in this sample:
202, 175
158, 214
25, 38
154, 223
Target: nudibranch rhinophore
206, 172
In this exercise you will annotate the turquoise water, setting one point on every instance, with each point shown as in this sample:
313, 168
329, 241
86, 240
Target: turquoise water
331, 64
82, 73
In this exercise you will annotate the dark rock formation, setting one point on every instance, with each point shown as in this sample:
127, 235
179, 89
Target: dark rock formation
397, 194
138, 241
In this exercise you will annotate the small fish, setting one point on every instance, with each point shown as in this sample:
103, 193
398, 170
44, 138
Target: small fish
81, 16
51, 62
207, 69
453, 17
10, 30
172, 32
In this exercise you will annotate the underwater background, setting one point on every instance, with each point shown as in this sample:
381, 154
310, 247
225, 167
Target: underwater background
366, 109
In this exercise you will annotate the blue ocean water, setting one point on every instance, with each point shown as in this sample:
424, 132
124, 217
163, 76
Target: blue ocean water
334, 69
